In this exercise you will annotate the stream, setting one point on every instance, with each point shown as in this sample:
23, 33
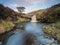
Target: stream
32, 33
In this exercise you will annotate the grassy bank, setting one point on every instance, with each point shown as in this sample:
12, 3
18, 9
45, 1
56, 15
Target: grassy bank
6, 26
52, 31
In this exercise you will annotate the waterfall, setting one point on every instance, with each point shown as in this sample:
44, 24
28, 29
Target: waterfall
33, 19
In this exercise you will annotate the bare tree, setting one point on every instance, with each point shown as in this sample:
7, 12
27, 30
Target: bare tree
21, 9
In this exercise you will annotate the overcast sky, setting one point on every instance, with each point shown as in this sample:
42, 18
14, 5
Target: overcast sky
30, 5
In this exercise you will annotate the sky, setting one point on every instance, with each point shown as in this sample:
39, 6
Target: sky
30, 5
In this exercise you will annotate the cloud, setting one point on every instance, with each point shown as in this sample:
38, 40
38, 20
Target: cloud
30, 5
28, 2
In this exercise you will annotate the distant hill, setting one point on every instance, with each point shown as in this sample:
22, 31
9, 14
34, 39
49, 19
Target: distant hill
51, 14
8, 14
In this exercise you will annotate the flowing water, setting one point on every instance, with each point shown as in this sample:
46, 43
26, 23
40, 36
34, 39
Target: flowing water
33, 18
33, 28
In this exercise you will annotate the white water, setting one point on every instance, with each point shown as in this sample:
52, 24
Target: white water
33, 18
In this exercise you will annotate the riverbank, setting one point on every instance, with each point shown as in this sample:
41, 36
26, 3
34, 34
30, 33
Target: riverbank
52, 31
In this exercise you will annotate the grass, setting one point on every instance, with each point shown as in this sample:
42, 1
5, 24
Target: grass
57, 24
52, 30
6, 26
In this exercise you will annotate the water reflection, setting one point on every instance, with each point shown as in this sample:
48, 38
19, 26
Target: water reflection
36, 30
31, 30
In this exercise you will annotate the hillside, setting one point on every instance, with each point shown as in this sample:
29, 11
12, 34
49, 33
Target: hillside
8, 14
51, 14
9, 17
